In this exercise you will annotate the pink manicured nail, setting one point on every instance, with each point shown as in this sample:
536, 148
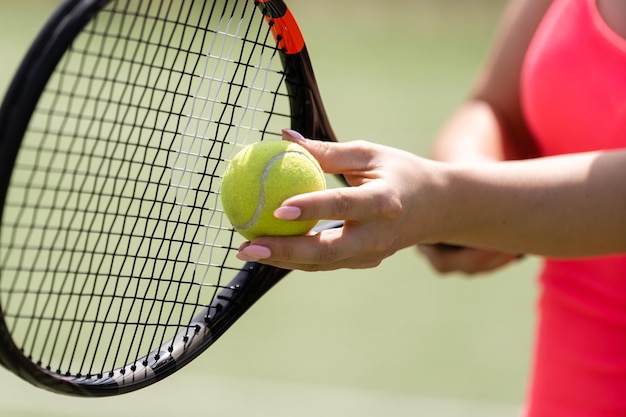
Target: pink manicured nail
293, 136
287, 213
254, 253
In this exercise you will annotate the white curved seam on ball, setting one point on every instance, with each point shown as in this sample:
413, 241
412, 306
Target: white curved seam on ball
260, 204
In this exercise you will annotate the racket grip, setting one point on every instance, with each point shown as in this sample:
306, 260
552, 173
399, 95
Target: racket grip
447, 247
331, 224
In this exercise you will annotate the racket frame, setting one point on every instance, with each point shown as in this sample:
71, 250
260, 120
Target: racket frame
308, 116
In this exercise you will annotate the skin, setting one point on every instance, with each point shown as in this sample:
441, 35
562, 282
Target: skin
613, 12
484, 187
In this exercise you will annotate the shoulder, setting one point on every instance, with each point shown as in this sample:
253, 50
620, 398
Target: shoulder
512, 40
614, 14
499, 81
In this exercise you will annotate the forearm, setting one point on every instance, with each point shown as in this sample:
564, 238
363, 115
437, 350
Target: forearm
476, 133
567, 206
471, 135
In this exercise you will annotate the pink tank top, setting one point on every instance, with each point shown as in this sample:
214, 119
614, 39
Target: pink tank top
573, 90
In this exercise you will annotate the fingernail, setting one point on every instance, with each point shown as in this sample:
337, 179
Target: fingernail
293, 136
254, 253
287, 213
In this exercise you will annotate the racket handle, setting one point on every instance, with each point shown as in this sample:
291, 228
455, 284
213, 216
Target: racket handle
335, 224
331, 224
447, 247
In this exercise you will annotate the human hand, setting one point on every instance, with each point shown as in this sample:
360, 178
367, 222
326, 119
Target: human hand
388, 207
470, 261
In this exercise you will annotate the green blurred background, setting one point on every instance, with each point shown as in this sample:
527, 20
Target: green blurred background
397, 340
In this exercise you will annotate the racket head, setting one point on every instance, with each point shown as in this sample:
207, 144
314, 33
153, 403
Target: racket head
117, 265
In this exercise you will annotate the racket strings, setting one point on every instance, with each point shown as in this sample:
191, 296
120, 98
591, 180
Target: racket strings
113, 237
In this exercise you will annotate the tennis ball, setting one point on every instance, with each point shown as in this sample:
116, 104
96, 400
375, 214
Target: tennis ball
257, 181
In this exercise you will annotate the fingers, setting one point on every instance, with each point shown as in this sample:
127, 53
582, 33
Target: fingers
348, 203
469, 261
372, 211
331, 249
302, 252
334, 158
357, 162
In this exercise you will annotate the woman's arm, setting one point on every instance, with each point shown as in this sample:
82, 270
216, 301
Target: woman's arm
490, 124
566, 206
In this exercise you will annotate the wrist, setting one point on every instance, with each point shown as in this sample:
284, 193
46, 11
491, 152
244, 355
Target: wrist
437, 200
462, 215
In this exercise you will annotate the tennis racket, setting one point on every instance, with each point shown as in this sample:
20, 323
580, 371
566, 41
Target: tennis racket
117, 263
